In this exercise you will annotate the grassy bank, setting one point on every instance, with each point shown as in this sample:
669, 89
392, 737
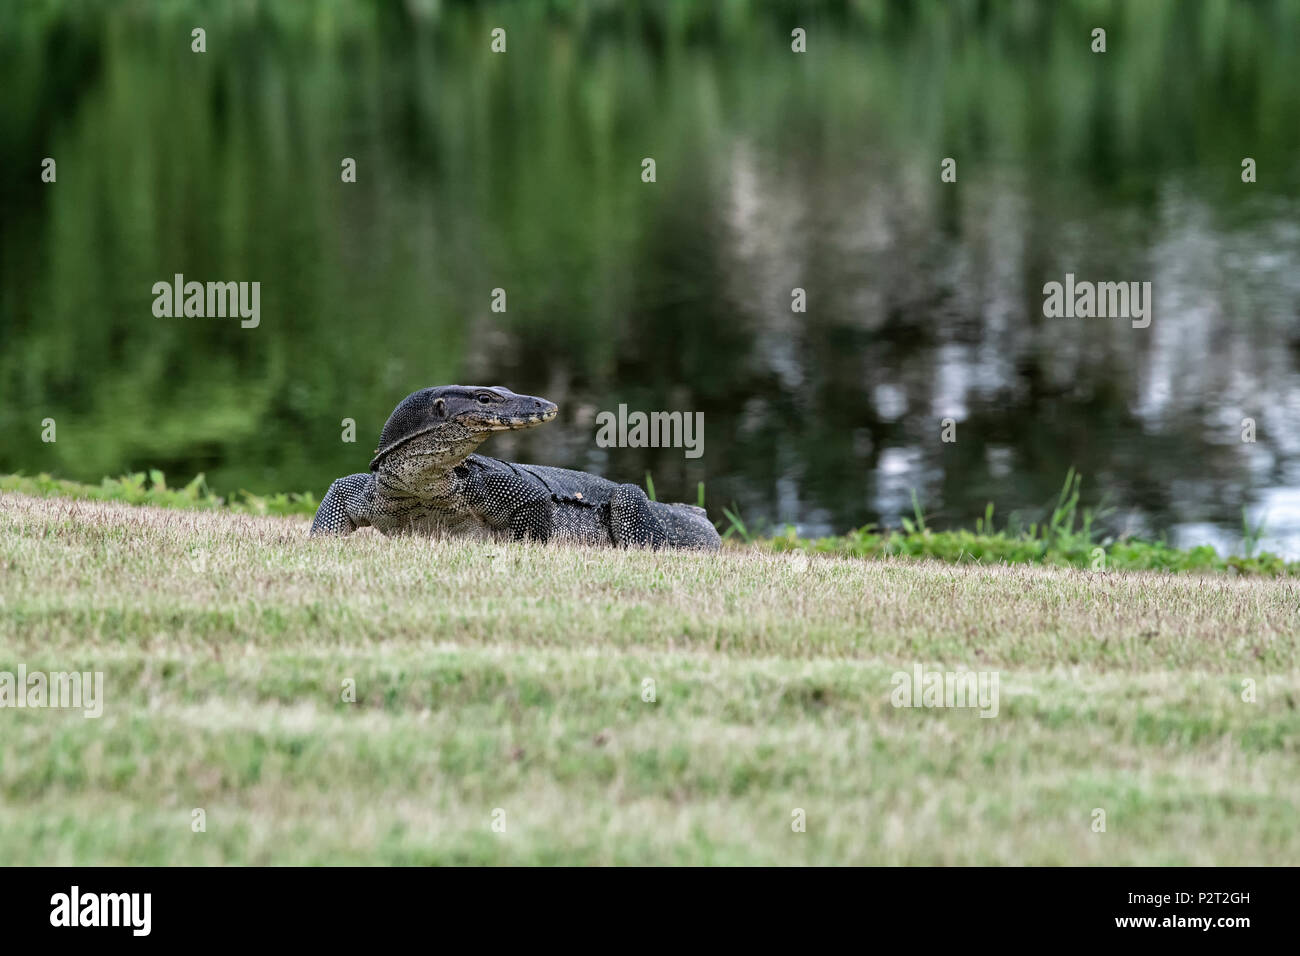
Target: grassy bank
1066, 537
513, 678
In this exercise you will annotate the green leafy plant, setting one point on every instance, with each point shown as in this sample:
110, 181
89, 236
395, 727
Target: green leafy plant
1250, 537
736, 526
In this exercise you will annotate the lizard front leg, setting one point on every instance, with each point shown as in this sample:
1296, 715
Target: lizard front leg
345, 507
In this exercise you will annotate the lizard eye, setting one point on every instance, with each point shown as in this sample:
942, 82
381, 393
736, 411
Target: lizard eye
484, 399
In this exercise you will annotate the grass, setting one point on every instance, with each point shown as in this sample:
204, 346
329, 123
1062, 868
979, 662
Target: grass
152, 489
512, 677
1067, 536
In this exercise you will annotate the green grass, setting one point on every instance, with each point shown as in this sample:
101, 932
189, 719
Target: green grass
511, 676
1065, 538
152, 489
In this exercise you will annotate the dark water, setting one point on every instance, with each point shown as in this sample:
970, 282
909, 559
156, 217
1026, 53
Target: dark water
775, 170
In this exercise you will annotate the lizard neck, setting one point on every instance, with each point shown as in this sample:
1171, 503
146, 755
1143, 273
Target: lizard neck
426, 466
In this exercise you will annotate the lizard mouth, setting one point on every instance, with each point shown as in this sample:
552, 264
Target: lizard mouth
538, 415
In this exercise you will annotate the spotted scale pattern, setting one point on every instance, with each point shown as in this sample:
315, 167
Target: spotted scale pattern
487, 498
425, 478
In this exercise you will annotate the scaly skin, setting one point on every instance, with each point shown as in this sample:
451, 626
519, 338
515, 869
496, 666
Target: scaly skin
425, 478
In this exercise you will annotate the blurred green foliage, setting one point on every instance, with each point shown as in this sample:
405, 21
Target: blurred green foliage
151, 489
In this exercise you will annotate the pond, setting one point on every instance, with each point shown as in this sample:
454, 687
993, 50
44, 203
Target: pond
798, 277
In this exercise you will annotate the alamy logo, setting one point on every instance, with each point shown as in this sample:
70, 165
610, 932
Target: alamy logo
58, 689
1101, 300
946, 689
103, 909
655, 430
213, 300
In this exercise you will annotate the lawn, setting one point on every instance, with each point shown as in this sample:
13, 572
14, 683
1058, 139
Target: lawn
508, 685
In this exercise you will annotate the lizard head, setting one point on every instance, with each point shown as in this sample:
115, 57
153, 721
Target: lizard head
448, 422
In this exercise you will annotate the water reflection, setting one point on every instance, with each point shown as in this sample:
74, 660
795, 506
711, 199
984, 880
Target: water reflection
776, 172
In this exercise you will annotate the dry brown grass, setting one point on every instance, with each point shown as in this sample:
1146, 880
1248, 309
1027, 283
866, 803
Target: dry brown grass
511, 676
